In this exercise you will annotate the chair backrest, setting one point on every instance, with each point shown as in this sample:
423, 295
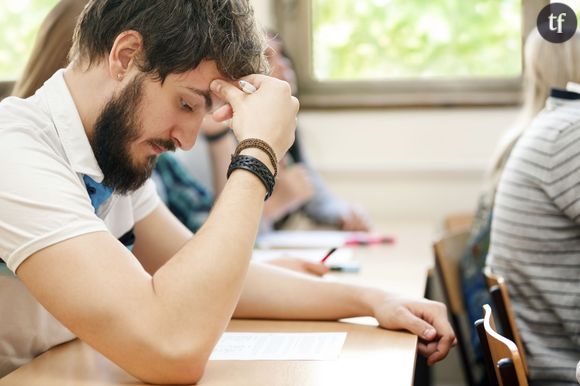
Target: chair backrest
504, 354
458, 221
501, 300
448, 251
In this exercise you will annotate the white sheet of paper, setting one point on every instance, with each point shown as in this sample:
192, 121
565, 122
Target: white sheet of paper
247, 346
340, 256
303, 239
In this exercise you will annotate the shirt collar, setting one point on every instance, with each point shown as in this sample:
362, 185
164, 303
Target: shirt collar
564, 97
69, 127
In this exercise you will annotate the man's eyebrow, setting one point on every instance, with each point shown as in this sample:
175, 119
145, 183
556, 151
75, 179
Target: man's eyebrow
206, 96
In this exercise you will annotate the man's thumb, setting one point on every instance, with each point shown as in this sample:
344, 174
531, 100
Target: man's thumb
418, 326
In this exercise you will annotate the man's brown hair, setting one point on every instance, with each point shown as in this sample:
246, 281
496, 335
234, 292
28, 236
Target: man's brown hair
177, 34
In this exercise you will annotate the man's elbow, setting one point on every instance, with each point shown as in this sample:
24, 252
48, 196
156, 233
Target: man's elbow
173, 374
173, 366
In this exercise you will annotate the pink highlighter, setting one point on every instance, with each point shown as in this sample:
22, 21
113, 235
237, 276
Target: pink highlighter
368, 239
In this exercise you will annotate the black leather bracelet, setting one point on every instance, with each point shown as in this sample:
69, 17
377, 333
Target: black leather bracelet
217, 136
256, 167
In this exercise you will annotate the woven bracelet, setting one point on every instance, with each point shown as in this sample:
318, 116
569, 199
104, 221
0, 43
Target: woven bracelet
256, 167
262, 145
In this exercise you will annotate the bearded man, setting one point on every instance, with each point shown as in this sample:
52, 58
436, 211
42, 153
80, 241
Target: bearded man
87, 248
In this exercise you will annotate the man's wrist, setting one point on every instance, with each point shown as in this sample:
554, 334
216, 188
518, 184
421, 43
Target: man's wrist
370, 299
260, 155
256, 167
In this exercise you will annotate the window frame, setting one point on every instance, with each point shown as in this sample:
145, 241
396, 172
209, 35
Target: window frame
294, 23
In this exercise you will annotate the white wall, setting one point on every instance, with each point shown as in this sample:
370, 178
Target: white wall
419, 163
264, 12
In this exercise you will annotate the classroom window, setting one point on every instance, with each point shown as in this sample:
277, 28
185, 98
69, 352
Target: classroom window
407, 52
404, 39
19, 22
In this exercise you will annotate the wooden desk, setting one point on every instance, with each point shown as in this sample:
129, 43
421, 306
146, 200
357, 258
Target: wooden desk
371, 356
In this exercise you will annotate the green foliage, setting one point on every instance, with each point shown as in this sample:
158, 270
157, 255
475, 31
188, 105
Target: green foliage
19, 22
397, 39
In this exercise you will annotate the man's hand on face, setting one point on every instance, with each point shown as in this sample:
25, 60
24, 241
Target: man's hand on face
268, 114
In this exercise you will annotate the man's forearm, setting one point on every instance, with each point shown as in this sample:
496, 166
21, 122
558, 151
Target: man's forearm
220, 152
276, 293
199, 287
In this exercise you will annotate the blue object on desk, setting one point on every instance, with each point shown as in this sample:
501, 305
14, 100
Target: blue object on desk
350, 267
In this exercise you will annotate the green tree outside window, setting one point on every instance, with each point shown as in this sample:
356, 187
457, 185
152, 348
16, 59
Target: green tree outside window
19, 22
403, 39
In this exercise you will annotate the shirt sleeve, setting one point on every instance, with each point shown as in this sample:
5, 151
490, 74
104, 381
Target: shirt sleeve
563, 171
42, 200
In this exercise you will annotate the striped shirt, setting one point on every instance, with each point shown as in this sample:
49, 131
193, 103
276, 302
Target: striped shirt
535, 240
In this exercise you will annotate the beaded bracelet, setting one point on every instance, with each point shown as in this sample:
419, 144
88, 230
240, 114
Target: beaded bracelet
256, 167
262, 145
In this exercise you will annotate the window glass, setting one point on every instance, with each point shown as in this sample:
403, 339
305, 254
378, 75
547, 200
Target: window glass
410, 39
19, 22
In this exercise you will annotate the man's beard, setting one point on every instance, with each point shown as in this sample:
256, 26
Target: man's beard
116, 128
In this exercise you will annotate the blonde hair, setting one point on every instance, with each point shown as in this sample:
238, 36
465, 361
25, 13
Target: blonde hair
546, 65
51, 47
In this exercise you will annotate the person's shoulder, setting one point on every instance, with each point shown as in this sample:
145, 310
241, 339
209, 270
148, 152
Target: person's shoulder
28, 115
25, 119
550, 129
557, 117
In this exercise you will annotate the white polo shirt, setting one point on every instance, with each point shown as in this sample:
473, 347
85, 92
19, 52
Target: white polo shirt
44, 153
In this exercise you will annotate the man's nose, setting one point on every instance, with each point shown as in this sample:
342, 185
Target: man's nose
186, 134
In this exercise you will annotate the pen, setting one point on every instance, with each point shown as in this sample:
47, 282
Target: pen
327, 255
370, 240
247, 87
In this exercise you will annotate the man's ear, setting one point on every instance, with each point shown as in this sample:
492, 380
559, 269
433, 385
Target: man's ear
124, 54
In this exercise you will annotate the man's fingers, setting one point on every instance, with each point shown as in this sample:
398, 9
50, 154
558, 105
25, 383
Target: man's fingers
316, 268
437, 356
426, 348
254, 79
224, 113
418, 326
443, 346
433, 351
228, 92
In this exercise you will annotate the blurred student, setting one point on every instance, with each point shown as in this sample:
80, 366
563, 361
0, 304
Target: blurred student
535, 228
546, 65
323, 207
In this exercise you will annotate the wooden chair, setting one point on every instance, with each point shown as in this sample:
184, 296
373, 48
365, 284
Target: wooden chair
503, 307
502, 357
448, 251
457, 222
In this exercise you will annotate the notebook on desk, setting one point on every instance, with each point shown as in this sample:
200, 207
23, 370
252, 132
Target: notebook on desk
319, 239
